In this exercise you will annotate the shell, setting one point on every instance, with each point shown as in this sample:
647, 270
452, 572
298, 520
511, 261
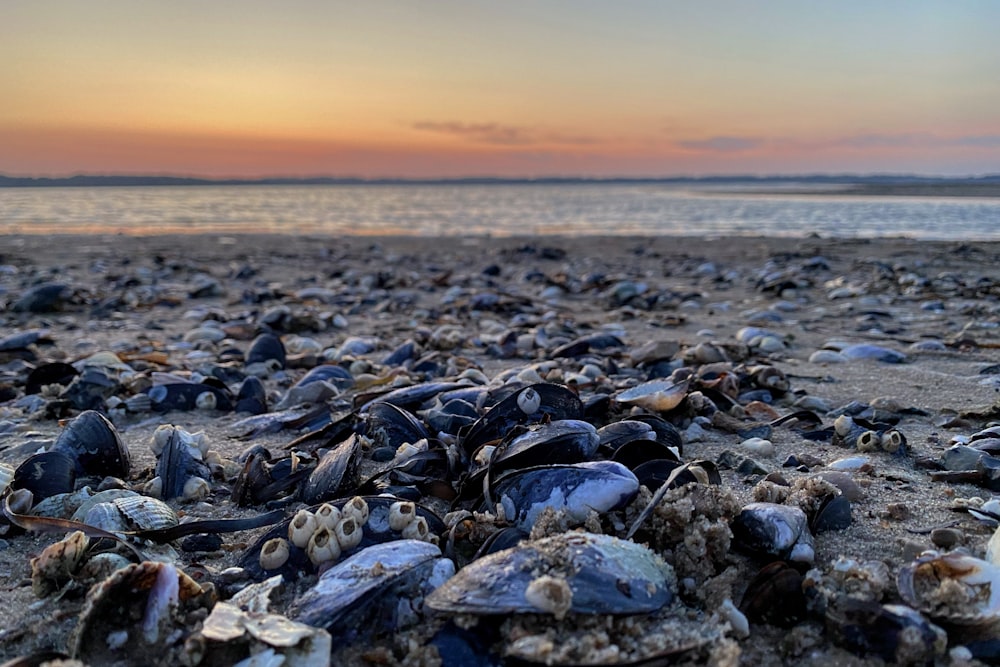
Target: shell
599, 486
149, 600
266, 347
776, 530
57, 563
230, 631
46, 474
94, 444
895, 633
655, 395
605, 575
180, 460
361, 594
953, 588
336, 474
145, 513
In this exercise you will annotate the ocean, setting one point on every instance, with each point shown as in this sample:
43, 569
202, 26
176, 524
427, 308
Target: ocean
496, 209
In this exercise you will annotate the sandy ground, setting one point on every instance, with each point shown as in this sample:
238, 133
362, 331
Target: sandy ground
891, 292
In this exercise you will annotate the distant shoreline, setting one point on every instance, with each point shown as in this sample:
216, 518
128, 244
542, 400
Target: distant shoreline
950, 189
833, 184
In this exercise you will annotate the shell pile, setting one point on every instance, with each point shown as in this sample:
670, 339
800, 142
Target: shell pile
280, 477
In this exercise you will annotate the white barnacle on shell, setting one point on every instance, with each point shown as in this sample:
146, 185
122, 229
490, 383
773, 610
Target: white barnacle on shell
206, 400
417, 530
274, 553
301, 528
356, 508
327, 516
529, 401
401, 514
349, 533
323, 547
551, 595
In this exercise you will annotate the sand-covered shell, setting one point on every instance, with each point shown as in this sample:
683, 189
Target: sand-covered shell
139, 613
602, 575
953, 589
230, 631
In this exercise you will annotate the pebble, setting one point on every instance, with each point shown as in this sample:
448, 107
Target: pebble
947, 538
851, 463
826, 357
759, 447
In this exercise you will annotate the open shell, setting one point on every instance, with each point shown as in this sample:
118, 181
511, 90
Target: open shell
953, 588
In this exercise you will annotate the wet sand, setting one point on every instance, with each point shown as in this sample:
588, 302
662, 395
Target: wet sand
136, 295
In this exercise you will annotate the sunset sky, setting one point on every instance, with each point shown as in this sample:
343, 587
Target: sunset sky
512, 88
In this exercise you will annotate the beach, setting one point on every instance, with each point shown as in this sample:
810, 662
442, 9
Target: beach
935, 303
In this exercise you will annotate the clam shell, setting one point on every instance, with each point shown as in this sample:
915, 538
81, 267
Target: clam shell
146, 513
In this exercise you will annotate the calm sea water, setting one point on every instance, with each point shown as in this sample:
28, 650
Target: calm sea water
428, 210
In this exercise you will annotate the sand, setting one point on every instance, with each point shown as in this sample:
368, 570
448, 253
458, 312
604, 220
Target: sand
889, 292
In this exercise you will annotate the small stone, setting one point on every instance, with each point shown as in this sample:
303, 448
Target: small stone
826, 357
201, 543
947, 538
759, 447
750, 467
897, 511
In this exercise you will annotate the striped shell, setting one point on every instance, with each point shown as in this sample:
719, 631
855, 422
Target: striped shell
106, 516
145, 513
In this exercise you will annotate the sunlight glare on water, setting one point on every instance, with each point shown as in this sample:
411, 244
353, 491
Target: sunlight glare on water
498, 210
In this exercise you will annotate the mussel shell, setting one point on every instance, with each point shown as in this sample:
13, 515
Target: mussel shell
43, 298
654, 474
338, 376
252, 397
391, 426
775, 596
562, 441
834, 514
894, 633
655, 395
605, 574
184, 396
94, 444
556, 402
637, 452
56, 372
178, 461
616, 434
774, 530
666, 433
336, 474
601, 486
408, 398
266, 347
360, 595
46, 474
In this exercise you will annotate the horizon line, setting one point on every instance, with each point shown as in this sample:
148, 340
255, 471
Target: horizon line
124, 179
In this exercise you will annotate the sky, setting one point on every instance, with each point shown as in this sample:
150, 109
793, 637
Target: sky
518, 88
